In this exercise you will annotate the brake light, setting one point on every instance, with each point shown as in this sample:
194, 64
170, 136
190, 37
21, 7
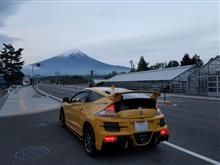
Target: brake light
111, 108
110, 139
164, 132
109, 111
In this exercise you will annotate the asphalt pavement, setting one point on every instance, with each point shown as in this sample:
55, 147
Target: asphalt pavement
42, 131
38, 138
194, 125
60, 91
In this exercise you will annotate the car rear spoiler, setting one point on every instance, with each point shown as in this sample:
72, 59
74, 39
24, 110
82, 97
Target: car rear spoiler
118, 96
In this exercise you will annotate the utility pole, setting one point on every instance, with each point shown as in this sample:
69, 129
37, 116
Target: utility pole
57, 77
91, 80
33, 78
32, 69
132, 65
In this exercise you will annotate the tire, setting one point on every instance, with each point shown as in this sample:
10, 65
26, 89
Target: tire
62, 118
89, 141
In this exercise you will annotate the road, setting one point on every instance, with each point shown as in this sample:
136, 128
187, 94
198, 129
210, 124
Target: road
194, 125
59, 91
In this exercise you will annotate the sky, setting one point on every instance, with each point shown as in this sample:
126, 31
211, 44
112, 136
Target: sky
114, 32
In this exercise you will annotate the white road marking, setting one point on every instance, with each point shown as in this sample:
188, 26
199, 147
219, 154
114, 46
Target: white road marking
48, 95
162, 104
21, 102
192, 153
178, 101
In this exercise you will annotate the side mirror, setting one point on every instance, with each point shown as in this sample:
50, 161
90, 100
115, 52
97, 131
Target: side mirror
66, 99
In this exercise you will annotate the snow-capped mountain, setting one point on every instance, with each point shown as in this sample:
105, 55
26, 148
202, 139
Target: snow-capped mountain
72, 62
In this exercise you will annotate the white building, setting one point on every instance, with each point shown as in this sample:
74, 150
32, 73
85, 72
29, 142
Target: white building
206, 80
175, 79
186, 79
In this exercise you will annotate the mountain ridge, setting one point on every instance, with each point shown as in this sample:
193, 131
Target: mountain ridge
72, 62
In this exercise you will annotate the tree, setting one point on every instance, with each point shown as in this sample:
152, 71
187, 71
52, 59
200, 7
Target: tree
159, 65
142, 64
1, 66
196, 60
173, 63
110, 75
11, 59
186, 60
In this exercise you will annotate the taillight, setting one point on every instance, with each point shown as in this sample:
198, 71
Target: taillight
164, 132
109, 111
110, 139
110, 108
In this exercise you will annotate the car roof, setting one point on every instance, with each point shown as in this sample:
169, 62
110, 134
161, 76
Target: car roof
108, 90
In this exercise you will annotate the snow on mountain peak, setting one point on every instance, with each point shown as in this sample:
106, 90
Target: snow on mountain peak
72, 52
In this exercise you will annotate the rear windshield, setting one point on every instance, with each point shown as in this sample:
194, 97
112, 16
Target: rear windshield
136, 103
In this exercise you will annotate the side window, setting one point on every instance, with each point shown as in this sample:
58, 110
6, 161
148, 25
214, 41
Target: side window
81, 97
93, 96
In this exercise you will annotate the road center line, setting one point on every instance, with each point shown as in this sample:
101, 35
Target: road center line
21, 103
192, 153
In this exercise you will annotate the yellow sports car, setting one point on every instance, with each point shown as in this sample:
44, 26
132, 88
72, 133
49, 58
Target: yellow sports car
103, 115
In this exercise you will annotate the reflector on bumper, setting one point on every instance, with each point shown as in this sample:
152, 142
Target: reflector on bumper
110, 139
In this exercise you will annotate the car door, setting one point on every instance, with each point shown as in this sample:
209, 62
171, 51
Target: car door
75, 112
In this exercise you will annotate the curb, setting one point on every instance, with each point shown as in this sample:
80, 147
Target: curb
46, 94
166, 102
197, 98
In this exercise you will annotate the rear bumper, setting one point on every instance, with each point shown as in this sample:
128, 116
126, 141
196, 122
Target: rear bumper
126, 135
131, 140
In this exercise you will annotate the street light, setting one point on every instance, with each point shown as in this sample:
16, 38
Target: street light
57, 74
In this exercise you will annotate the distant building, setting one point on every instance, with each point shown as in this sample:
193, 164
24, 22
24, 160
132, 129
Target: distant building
206, 80
174, 79
190, 79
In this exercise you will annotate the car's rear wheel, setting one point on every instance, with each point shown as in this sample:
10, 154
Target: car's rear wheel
62, 118
89, 141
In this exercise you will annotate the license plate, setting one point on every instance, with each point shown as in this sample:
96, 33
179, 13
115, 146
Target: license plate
141, 126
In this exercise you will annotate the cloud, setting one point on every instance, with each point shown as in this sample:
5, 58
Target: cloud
8, 8
7, 39
161, 47
105, 15
114, 32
